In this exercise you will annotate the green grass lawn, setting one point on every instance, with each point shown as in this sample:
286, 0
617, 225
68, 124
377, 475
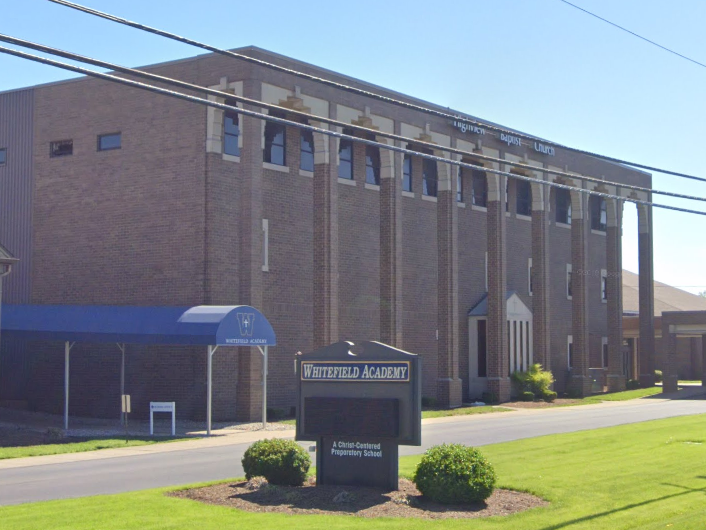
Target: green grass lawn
462, 411
77, 447
622, 396
645, 476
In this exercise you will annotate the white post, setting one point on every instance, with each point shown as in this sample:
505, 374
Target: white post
122, 380
208, 399
67, 350
264, 389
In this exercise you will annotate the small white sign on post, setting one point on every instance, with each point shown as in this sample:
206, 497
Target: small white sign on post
162, 406
126, 403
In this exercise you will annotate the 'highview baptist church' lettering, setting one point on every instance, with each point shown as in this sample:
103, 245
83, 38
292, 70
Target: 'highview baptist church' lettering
355, 371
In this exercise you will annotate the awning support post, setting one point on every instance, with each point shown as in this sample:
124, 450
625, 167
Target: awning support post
264, 386
122, 380
67, 350
211, 351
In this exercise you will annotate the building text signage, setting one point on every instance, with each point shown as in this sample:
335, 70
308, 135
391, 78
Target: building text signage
468, 127
357, 371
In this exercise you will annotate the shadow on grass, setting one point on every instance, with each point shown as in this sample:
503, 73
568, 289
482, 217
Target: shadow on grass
630, 506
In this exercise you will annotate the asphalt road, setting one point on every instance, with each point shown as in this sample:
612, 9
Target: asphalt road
121, 474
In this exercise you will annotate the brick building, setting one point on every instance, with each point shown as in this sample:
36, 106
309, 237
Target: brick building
112, 195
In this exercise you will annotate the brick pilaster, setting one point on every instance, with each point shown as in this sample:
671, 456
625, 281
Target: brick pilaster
325, 239
670, 373
498, 363
391, 247
249, 389
449, 388
703, 360
541, 342
614, 287
580, 382
646, 293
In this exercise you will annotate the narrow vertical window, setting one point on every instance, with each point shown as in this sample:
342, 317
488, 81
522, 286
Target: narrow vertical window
523, 192
599, 213
482, 350
604, 285
372, 165
563, 206
604, 351
486, 271
3, 156
231, 132
307, 150
430, 178
569, 278
345, 157
407, 173
480, 188
265, 245
570, 351
275, 142
459, 185
107, 142
507, 194
530, 286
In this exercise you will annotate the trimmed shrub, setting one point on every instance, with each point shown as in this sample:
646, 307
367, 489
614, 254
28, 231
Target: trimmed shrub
658, 376
549, 396
632, 384
534, 380
527, 396
281, 462
454, 474
428, 401
489, 397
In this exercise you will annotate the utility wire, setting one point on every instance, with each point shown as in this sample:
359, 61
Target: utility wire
362, 92
635, 34
305, 115
327, 132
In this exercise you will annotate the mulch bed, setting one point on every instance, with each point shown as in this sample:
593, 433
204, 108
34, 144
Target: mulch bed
258, 496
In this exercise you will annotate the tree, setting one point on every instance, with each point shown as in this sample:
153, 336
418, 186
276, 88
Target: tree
703, 293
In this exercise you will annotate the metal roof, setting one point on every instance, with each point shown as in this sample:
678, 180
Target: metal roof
200, 325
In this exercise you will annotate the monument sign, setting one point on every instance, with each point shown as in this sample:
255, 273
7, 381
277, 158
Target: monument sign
359, 401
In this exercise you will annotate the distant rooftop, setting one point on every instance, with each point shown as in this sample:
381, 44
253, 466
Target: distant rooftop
667, 298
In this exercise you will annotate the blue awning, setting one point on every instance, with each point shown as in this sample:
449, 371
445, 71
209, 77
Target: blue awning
199, 325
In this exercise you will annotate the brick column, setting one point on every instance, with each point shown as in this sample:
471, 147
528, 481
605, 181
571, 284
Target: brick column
498, 363
703, 360
614, 287
391, 247
325, 239
580, 383
249, 387
541, 342
670, 373
448, 387
646, 293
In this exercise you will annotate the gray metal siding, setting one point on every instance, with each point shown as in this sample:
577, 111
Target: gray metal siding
16, 184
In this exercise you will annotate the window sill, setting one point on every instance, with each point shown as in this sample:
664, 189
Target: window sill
231, 158
429, 198
479, 208
524, 217
563, 225
461, 204
347, 182
275, 167
375, 187
305, 173
409, 194
603, 300
598, 232
569, 297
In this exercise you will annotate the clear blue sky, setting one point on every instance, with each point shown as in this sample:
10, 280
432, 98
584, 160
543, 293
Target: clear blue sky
539, 66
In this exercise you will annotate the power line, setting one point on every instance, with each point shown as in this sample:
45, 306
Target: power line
360, 91
327, 132
305, 115
635, 34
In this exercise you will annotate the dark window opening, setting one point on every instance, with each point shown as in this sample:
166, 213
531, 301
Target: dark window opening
569, 288
605, 355
507, 194
407, 173
3, 157
459, 185
231, 132
571, 355
307, 151
372, 165
61, 148
604, 288
563, 206
275, 142
523, 190
599, 213
430, 178
482, 349
480, 188
345, 157
107, 142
